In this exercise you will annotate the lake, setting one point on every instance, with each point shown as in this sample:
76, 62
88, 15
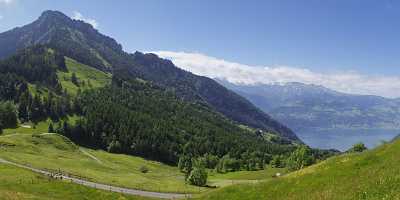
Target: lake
343, 139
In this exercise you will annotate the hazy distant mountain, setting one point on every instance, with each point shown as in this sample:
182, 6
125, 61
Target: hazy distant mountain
301, 106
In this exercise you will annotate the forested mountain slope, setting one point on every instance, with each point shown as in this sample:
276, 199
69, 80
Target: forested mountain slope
80, 41
123, 114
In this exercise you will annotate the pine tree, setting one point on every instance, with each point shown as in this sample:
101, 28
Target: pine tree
74, 79
51, 128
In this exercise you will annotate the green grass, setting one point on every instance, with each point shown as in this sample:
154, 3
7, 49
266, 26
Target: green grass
248, 175
55, 152
84, 73
374, 174
21, 184
41, 127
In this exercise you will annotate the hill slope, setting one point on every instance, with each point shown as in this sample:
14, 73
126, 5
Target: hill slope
21, 184
374, 174
80, 41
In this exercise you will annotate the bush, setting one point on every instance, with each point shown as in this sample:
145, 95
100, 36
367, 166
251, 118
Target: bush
198, 176
359, 147
277, 162
300, 158
143, 169
228, 164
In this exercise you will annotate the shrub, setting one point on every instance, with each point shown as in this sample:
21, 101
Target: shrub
198, 176
359, 147
143, 169
277, 162
300, 158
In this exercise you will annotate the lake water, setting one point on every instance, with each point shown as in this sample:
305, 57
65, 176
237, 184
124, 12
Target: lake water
343, 139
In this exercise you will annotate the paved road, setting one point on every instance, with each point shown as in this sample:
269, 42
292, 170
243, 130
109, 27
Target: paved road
103, 186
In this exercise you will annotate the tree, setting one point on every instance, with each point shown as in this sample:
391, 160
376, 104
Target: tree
36, 108
277, 161
185, 165
114, 146
228, 164
198, 176
359, 147
74, 79
300, 158
51, 128
8, 115
23, 108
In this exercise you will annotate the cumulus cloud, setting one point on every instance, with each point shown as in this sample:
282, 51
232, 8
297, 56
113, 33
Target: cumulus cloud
349, 82
78, 16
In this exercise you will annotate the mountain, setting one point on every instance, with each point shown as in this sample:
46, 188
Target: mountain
81, 42
302, 106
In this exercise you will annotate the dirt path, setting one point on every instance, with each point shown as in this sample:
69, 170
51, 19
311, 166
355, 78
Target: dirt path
90, 155
103, 186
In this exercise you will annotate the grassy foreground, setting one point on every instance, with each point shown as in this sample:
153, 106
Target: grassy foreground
21, 184
374, 174
55, 152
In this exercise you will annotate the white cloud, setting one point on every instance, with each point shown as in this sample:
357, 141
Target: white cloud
78, 16
1, 17
349, 82
6, 1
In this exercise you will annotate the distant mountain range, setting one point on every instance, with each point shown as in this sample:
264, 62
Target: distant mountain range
306, 107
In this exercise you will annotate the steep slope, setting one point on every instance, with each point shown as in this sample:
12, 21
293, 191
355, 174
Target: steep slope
302, 106
82, 42
371, 175
203, 89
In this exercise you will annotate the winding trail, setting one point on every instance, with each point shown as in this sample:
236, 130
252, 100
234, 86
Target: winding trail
103, 186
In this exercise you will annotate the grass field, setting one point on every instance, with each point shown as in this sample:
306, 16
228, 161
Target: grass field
85, 74
374, 174
20, 184
41, 127
31, 145
55, 152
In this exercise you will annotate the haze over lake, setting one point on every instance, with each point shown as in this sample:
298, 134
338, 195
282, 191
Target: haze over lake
343, 139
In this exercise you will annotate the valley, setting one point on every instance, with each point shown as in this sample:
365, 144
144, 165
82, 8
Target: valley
83, 118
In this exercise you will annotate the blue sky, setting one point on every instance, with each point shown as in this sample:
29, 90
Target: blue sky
332, 36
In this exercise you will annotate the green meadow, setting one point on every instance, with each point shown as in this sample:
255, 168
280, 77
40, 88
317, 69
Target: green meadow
374, 174
32, 145
21, 184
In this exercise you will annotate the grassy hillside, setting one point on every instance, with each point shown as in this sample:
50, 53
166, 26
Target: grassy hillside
55, 152
88, 77
374, 174
39, 149
20, 184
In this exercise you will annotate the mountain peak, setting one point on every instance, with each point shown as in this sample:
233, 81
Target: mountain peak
53, 13
54, 16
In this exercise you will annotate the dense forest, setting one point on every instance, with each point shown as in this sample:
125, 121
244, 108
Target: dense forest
29, 80
137, 118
